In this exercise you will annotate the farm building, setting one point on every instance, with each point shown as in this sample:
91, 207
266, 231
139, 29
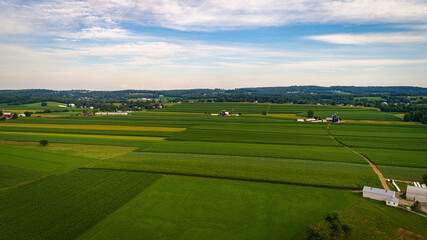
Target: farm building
335, 118
377, 194
300, 120
416, 193
394, 202
224, 113
111, 113
7, 115
21, 115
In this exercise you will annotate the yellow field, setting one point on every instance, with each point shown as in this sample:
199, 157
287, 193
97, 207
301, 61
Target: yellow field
96, 127
86, 136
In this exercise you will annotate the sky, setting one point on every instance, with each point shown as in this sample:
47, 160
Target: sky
182, 44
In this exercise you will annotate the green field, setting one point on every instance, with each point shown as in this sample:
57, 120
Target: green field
338, 154
65, 206
179, 173
41, 161
279, 170
197, 208
12, 177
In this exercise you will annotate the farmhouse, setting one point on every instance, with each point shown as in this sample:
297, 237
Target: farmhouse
416, 193
394, 202
111, 113
21, 115
377, 194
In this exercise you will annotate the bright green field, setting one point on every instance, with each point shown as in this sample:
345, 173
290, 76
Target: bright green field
358, 115
41, 161
279, 170
337, 154
198, 208
12, 177
65, 206
385, 143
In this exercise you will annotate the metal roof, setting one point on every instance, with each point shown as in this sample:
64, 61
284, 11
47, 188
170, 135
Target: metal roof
416, 190
378, 191
396, 200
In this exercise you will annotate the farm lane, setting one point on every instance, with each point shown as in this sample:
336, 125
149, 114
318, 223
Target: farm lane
376, 170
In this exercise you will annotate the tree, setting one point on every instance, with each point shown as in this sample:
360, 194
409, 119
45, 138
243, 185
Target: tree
425, 178
44, 142
44, 104
14, 116
316, 232
407, 117
264, 113
310, 113
416, 206
28, 114
2, 119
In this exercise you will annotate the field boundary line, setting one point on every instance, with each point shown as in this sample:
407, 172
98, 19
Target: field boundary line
109, 214
376, 170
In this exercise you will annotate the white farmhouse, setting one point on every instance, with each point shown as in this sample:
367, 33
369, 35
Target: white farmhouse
111, 113
416, 193
377, 194
394, 202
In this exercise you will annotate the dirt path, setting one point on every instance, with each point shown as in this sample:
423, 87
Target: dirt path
378, 172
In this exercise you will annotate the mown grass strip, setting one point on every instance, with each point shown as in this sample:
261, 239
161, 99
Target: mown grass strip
64, 206
97, 127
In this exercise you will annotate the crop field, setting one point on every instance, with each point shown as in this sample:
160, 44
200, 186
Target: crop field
64, 206
253, 137
325, 153
12, 177
77, 150
294, 171
359, 115
94, 127
404, 158
180, 173
41, 161
79, 138
403, 173
197, 208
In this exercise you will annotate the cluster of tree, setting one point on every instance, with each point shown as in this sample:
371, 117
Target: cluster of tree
18, 99
402, 107
333, 228
416, 116
111, 106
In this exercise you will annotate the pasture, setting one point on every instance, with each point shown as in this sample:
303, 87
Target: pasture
194, 208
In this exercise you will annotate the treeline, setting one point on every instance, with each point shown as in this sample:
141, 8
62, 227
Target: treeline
18, 100
416, 116
196, 93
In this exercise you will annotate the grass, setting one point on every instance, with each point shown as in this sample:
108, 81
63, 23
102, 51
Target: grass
252, 137
64, 206
12, 177
384, 143
294, 171
337, 154
79, 138
403, 173
199, 208
395, 157
374, 220
94, 127
41, 161
78, 150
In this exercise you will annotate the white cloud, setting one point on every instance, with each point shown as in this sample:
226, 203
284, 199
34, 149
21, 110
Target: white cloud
99, 33
372, 38
209, 15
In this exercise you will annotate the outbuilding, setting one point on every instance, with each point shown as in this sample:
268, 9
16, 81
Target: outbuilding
416, 193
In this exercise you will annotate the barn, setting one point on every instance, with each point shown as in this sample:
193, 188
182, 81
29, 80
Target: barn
377, 194
416, 193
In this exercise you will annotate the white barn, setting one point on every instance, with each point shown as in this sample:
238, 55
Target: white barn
377, 194
394, 202
111, 113
416, 193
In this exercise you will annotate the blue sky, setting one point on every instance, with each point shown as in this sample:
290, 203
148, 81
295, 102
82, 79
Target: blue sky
165, 44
